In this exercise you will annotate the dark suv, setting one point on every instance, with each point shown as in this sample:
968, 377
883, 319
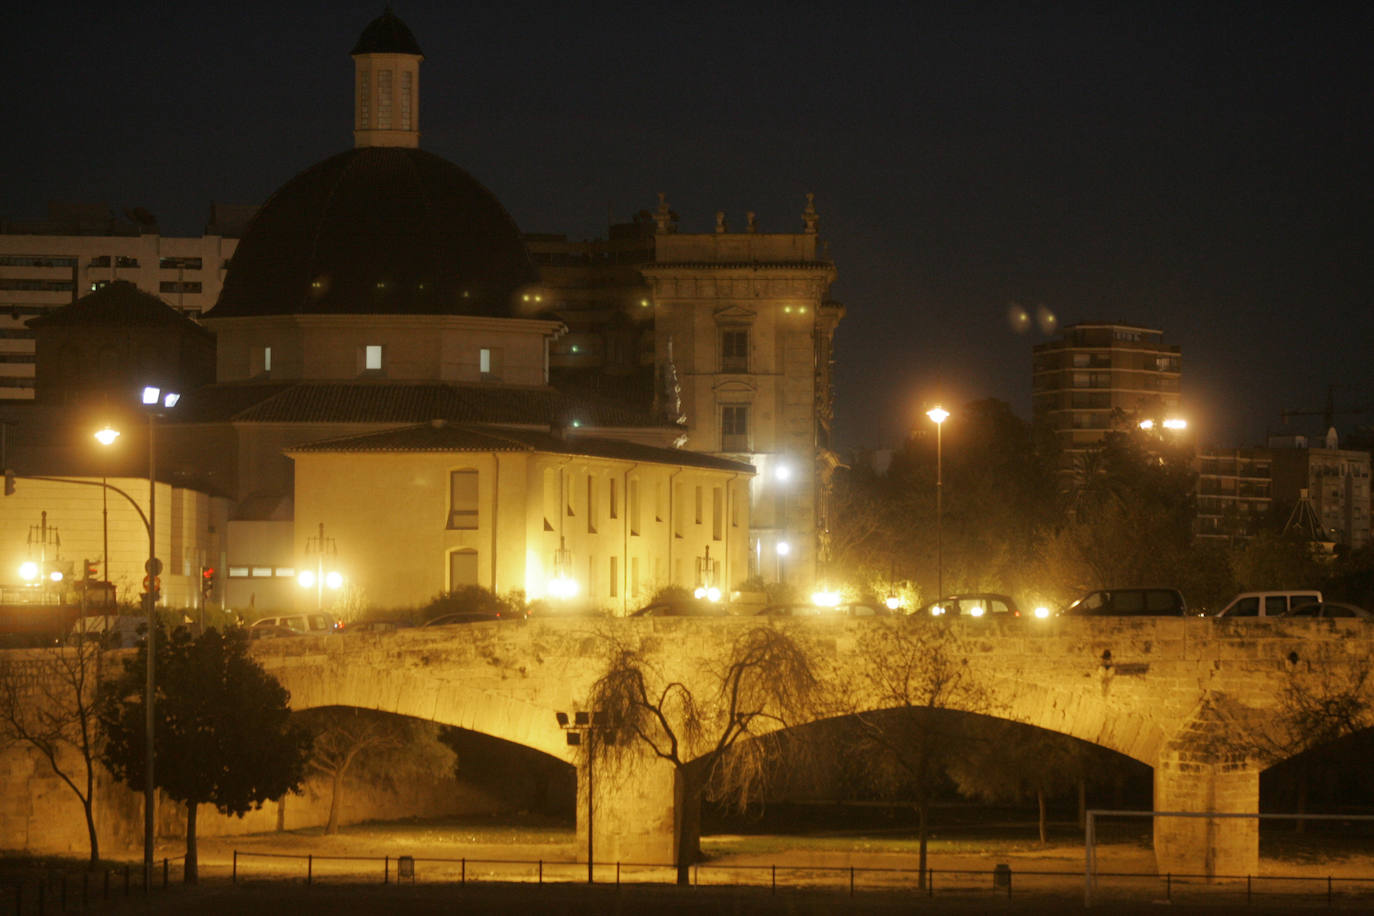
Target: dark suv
1130, 602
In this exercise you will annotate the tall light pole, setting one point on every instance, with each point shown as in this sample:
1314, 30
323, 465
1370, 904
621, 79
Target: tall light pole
105, 437
587, 724
154, 399
938, 416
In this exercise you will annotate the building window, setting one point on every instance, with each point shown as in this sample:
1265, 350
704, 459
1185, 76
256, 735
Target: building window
489, 363
717, 512
615, 577
372, 358
179, 286
734, 428
384, 99
407, 79
634, 576
697, 504
734, 350
266, 359
633, 497
462, 569
462, 499
179, 263
591, 504
362, 100
613, 501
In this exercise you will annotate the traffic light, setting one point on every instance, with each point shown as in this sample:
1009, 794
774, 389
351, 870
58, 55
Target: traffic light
207, 580
92, 569
9, 482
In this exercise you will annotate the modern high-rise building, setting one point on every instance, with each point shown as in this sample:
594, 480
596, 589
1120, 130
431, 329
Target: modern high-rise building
1101, 376
80, 248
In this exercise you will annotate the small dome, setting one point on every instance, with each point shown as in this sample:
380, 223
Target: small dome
378, 230
387, 35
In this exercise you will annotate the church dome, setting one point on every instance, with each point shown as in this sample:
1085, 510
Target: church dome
386, 34
378, 230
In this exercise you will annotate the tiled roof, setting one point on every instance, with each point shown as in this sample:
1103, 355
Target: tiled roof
394, 402
120, 303
736, 265
450, 437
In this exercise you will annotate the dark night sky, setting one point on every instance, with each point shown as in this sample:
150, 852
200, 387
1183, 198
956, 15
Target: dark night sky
1205, 170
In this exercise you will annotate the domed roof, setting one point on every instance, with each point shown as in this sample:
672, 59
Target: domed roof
386, 35
378, 230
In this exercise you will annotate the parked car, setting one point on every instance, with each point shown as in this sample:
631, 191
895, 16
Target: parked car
681, 608
981, 604
1269, 604
1329, 609
444, 620
312, 622
1130, 602
271, 631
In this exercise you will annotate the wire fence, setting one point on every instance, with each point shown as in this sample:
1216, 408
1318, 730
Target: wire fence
1001, 880
60, 890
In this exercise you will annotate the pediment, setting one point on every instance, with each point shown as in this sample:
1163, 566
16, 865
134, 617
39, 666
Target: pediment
734, 313
735, 386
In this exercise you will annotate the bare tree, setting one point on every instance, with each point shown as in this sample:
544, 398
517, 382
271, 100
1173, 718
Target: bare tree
1325, 700
340, 737
917, 672
767, 683
48, 701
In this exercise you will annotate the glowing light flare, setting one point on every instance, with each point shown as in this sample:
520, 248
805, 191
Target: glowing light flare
784, 548
333, 580
28, 571
1147, 424
1176, 423
702, 593
892, 602
938, 415
825, 598
975, 611
1042, 612
107, 436
55, 576
562, 587
783, 472
937, 610
306, 579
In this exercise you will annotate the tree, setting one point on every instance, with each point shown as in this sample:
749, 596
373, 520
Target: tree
381, 747
766, 684
48, 701
917, 672
222, 733
1009, 762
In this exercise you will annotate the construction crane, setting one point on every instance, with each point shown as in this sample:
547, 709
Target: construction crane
1329, 412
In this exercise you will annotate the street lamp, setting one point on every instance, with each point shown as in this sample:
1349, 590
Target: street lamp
938, 416
318, 578
587, 724
105, 437
155, 400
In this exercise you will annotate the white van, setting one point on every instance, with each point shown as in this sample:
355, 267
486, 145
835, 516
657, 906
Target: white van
112, 631
1268, 604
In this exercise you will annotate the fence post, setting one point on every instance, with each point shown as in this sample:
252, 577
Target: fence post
310, 869
541, 871
463, 875
775, 878
851, 880
1328, 890
1168, 885
164, 872
617, 874
234, 875
126, 880
930, 882
1247, 888
386, 870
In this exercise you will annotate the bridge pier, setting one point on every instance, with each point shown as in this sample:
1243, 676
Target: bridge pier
634, 812
1195, 845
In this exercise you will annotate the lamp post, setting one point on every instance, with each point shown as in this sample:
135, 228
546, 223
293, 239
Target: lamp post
938, 416
105, 437
782, 475
319, 546
586, 724
154, 399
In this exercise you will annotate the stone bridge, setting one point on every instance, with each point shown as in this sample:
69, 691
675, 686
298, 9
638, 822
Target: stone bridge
1174, 693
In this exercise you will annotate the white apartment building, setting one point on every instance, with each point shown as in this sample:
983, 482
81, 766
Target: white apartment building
51, 262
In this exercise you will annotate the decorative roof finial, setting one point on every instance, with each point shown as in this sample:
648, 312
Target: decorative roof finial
809, 216
752, 219
720, 221
664, 217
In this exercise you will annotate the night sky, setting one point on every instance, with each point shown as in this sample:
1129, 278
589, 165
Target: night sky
1208, 171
